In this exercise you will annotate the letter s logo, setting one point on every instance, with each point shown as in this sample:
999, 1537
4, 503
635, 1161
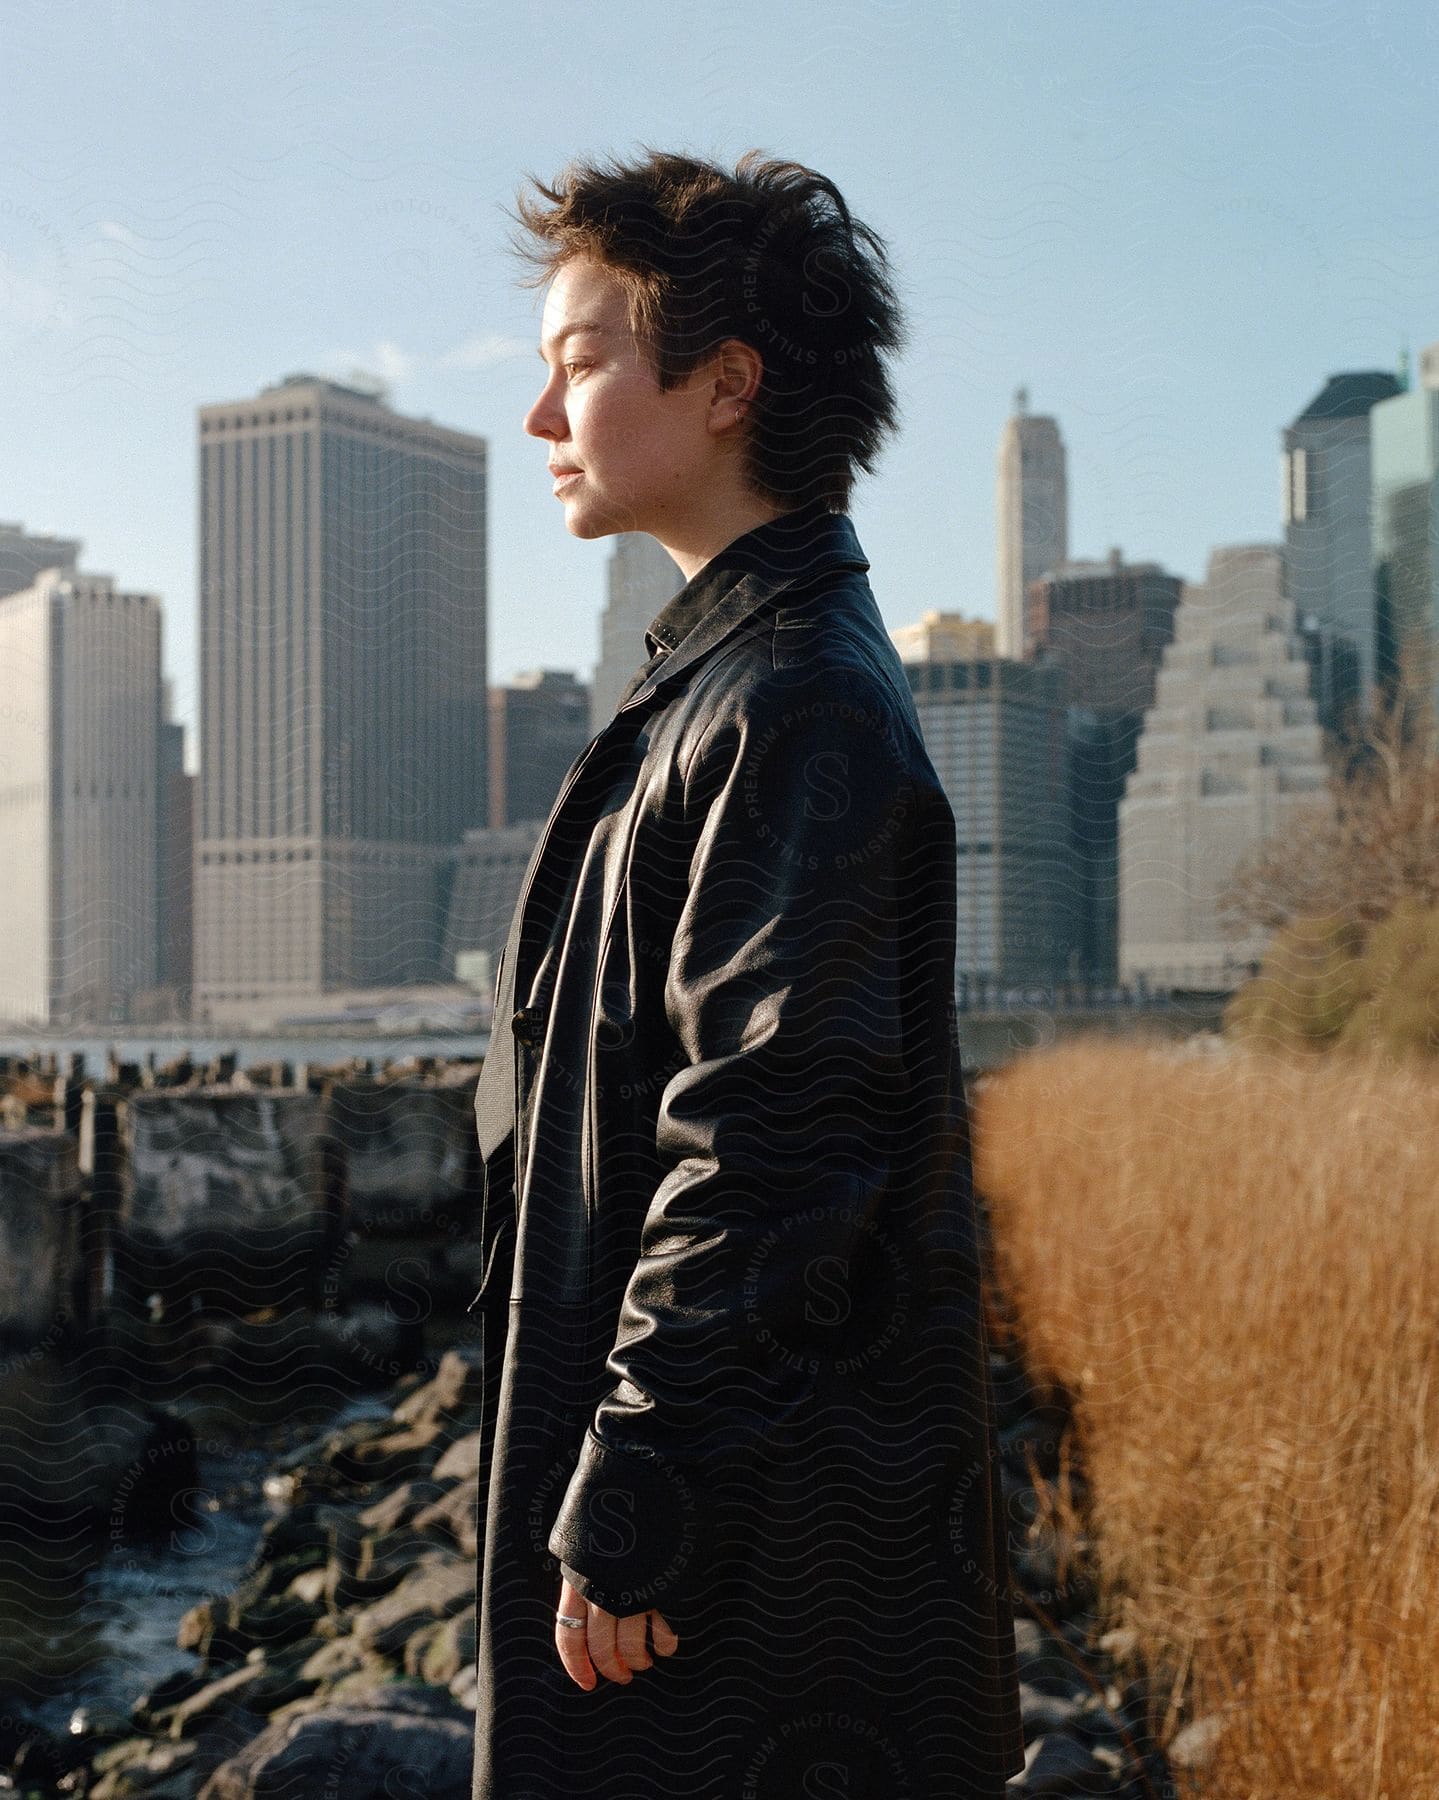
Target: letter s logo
612, 1522
827, 782
826, 292
832, 1291
826, 1781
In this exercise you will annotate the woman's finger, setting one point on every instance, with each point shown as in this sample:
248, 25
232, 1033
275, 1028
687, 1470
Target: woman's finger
573, 1644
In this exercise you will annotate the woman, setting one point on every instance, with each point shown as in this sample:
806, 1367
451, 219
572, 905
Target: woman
740, 1529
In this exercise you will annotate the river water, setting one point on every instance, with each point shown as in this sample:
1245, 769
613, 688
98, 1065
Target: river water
109, 1639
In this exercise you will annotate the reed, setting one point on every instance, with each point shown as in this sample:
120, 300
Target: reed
1232, 1264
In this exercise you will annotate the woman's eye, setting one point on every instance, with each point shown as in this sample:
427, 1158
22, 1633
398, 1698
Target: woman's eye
576, 365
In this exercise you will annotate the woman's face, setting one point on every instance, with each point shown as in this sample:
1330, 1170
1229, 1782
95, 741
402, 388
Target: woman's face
644, 457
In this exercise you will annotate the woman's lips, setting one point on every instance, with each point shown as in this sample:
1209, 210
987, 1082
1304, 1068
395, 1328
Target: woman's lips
565, 477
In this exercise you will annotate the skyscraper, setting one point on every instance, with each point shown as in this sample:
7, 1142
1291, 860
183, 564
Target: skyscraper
79, 745
642, 576
175, 868
1327, 537
343, 691
994, 729
1107, 623
24, 554
1405, 499
538, 726
1032, 515
944, 637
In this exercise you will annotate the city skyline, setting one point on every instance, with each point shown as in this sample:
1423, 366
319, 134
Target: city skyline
1170, 231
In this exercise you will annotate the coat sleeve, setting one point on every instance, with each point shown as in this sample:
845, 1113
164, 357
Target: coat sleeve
777, 1131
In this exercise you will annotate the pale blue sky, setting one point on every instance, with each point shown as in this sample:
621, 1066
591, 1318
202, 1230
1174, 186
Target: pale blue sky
1170, 222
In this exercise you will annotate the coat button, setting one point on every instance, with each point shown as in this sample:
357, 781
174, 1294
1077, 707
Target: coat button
527, 1024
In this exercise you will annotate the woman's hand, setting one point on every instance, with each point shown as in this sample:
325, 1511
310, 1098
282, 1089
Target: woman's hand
615, 1647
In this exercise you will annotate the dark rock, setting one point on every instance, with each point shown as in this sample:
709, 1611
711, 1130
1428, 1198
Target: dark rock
364, 1751
329, 1444
344, 1656
1059, 1765
438, 1587
153, 1711
42, 1757
399, 1456
1038, 1433
364, 1568
438, 1653
400, 1505
369, 1343
1044, 1663
143, 1767
1013, 1394
385, 1561
465, 1687
305, 1527
461, 1462
234, 1689
1037, 1570
456, 1517
1047, 1712
456, 1387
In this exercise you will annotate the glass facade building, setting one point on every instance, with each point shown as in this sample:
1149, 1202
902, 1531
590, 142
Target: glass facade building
1405, 474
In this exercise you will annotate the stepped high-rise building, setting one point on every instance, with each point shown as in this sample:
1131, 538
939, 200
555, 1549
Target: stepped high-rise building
79, 747
538, 726
1230, 750
343, 691
1404, 437
1329, 568
1032, 515
642, 577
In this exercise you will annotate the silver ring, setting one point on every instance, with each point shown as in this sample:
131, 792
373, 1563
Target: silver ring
574, 1624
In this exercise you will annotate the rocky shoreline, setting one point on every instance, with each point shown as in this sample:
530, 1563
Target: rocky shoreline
343, 1661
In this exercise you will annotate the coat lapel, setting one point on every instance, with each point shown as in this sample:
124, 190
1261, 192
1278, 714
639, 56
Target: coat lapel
838, 548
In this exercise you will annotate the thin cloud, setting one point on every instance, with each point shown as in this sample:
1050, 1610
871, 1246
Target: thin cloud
484, 352
120, 234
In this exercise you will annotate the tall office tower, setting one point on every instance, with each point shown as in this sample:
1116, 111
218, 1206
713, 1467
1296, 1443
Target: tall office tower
944, 637
488, 868
1230, 750
642, 576
1404, 438
25, 555
1107, 623
994, 730
79, 751
175, 870
1325, 466
343, 705
538, 726
1032, 515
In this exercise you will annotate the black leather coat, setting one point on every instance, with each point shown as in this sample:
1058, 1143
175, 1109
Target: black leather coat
736, 1365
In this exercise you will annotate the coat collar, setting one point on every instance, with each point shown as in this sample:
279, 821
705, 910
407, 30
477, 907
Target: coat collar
739, 579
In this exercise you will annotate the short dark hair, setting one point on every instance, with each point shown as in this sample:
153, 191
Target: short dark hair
768, 254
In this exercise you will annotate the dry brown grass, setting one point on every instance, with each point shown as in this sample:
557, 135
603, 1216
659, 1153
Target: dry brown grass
1233, 1264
